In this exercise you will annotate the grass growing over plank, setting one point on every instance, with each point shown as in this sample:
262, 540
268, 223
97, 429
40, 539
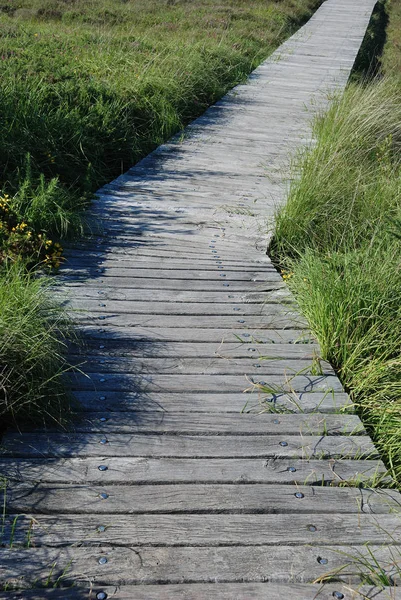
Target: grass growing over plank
338, 239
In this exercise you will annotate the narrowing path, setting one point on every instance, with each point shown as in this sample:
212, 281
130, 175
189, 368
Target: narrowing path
217, 456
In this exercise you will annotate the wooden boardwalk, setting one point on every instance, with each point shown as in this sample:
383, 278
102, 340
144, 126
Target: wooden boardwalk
175, 484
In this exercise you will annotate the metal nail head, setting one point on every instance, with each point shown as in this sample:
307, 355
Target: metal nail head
101, 596
322, 561
299, 495
284, 444
102, 468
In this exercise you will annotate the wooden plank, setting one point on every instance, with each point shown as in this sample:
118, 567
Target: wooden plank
130, 307
129, 294
187, 446
284, 319
197, 530
161, 274
232, 402
185, 263
100, 282
112, 366
134, 470
148, 334
214, 591
92, 349
141, 565
148, 383
225, 424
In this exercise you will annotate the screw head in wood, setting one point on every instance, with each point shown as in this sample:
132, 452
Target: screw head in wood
104, 441
101, 347
276, 421
102, 318
223, 275
299, 495
103, 495
102, 468
103, 419
338, 595
312, 528
284, 444
246, 335
102, 397
101, 529
322, 561
101, 596
241, 321
226, 284
291, 469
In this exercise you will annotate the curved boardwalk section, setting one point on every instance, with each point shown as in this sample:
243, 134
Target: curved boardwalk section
216, 456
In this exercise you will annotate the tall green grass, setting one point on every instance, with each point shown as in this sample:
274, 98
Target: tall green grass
339, 237
33, 330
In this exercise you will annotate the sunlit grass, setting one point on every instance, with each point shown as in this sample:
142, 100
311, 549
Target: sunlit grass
338, 236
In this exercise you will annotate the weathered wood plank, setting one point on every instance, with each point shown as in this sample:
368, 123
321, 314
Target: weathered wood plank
149, 334
214, 591
284, 319
274, 383
208, 498
226, 424
231, 402
96, 366
147, 565
187, 446
129, 294
200, 530
217, 284
140, 470
92, 349
161, 274
135, 307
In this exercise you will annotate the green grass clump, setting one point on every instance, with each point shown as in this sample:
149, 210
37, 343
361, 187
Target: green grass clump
32, 333
338, 239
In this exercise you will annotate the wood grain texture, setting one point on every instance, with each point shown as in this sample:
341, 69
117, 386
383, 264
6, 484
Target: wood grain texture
188, 446
218, 499
214, 591
215, 403
149, 565
140, 470
172, 482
